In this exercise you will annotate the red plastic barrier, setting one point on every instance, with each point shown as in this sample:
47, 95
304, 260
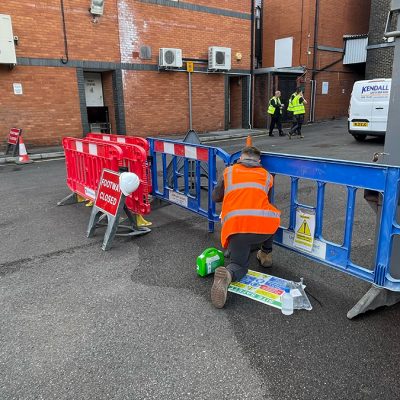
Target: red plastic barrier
85, 160
138, 141
130, 140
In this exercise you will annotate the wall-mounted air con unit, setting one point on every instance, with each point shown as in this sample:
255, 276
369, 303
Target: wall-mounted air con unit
7, 47
219, 58
170, 58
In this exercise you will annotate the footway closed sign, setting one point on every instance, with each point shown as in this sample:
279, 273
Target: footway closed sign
109, 193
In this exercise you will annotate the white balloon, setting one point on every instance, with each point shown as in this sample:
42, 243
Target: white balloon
128, 182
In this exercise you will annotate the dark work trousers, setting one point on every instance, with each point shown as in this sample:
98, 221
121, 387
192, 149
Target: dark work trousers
298, 121
240, 246
275, 120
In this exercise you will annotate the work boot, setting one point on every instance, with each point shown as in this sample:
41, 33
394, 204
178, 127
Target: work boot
301, 136
219, 290
281, 133
271, 134
265, 259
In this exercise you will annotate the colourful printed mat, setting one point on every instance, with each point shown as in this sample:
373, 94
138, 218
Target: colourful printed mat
268, 289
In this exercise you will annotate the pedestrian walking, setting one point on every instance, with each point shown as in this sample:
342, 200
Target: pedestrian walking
247, 217
290, 105
275, 111
299, 110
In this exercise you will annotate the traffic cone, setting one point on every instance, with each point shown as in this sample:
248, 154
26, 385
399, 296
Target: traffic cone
249, 141
23, 155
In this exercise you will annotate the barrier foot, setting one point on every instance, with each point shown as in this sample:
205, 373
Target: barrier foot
72, 198
375, 297
140, 221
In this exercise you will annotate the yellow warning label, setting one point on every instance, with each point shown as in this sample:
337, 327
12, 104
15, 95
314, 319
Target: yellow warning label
304, 229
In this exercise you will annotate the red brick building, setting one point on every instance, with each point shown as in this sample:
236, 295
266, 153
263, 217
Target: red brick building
75, 70
304, 42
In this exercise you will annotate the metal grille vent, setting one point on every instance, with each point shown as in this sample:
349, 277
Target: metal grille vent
220, 58
145, 53
169, 57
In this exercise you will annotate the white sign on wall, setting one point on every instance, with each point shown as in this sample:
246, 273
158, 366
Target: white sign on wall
283, 52
325, 87
17, 88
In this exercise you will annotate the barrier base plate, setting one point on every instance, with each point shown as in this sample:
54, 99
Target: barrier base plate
72, 198
375, 297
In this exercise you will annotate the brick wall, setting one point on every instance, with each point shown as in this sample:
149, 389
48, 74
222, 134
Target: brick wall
351, 17
380, 60
38, 24
146, 101
379, 63
193, 32
163, 107
48, 108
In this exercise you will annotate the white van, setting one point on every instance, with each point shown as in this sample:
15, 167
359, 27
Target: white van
368, 111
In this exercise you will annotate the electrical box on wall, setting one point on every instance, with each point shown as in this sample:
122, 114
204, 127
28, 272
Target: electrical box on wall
7, 47
97, 7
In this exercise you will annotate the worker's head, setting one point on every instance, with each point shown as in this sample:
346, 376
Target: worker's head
250, 153
299, 90
277, 93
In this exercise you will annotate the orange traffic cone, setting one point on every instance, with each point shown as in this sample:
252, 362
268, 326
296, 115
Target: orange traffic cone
249, 141
23, 155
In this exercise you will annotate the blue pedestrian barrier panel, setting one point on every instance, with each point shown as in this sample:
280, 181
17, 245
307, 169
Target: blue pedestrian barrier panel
184, 186
304, 233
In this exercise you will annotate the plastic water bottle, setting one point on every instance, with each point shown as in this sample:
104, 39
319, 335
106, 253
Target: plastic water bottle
287, 302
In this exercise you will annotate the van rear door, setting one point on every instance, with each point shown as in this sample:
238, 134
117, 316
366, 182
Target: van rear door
361, 106
381, 106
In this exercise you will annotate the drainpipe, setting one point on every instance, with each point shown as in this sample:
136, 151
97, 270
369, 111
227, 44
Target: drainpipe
251, 65
314, 66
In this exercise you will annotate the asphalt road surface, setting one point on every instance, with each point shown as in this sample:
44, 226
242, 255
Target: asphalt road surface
136, 322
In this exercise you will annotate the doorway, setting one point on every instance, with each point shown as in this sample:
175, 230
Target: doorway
287, 85
235, 109
97, 112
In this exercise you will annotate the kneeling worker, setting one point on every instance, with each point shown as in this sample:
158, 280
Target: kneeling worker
247, 219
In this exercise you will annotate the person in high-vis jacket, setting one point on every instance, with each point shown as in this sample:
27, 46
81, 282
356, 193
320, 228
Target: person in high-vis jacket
290, 104
248, 218
275, 112
299, 110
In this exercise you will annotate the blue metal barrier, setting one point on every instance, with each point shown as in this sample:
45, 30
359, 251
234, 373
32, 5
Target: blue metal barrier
189, 196
354, 176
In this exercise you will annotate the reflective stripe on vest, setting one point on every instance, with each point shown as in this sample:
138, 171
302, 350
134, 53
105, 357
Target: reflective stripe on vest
230, 186
271, 108
251, 213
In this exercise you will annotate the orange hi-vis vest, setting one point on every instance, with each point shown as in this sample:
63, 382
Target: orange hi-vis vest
246, 207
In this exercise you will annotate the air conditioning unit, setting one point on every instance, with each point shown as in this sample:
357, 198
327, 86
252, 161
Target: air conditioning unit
219, 58
170, 58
